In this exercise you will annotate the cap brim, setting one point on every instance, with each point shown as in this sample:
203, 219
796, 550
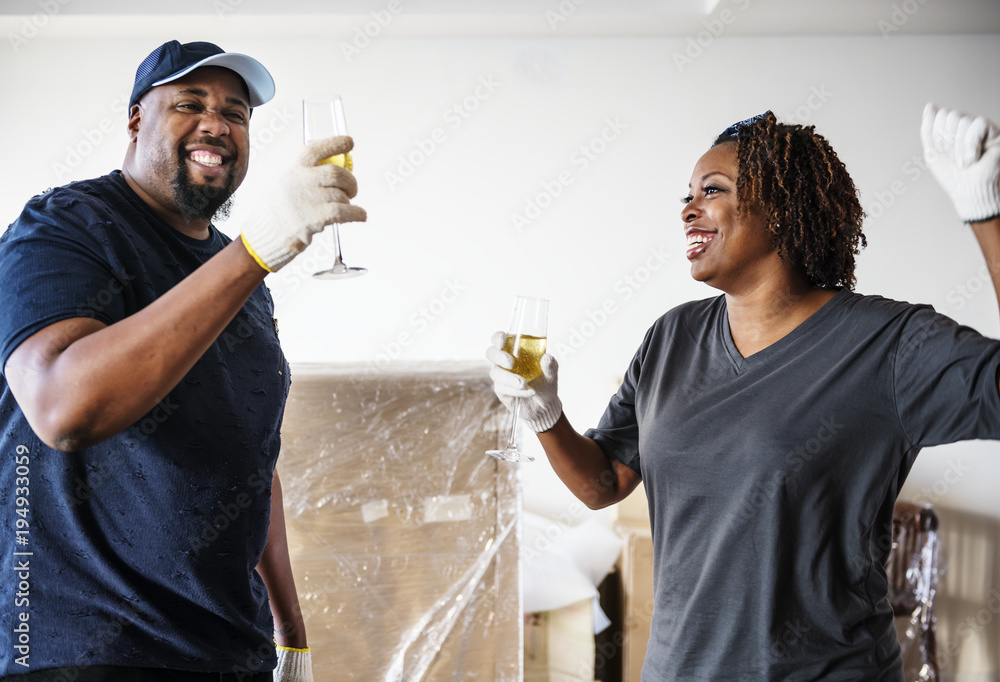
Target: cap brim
259, 82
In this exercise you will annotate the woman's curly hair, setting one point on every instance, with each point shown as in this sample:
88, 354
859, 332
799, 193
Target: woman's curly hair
811, 204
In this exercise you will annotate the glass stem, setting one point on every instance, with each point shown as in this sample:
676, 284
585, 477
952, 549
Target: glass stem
512, 440
337, 259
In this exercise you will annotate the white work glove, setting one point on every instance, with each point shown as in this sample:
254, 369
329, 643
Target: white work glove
540, 405
305, 200
294, 665
963, 153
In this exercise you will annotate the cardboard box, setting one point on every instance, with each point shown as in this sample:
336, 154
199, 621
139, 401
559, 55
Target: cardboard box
559, 644
635, 567
403, 535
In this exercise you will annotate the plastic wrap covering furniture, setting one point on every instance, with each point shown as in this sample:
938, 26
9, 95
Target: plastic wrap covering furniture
913, 572
404, 537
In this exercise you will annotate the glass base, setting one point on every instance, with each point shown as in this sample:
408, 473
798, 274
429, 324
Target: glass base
510, 455
340, 272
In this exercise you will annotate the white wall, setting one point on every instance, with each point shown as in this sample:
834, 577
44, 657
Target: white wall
444, 255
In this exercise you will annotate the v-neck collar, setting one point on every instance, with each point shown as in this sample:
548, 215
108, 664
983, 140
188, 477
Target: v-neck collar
742, 364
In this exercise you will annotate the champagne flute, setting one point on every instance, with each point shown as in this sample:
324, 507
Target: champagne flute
322, 117
526, 342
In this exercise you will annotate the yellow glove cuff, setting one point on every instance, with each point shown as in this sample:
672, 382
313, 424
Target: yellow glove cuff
288, 648
253, 253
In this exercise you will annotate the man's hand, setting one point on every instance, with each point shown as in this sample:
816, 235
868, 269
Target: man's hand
294, 665
540, 405
310, 196
963, 153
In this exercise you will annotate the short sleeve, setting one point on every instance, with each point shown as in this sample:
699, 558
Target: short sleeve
945, 381
55, 268
617, 433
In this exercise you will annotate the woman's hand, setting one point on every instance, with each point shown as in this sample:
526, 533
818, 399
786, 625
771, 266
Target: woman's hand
963, 153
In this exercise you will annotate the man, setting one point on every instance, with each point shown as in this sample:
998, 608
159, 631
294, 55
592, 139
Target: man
142, 393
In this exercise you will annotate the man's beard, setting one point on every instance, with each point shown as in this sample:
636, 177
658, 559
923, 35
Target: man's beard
201, 202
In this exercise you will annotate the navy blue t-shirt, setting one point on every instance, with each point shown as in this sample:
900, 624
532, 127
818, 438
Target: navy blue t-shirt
771, 479
141, 550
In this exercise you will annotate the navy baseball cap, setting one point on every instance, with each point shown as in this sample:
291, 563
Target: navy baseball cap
172, 60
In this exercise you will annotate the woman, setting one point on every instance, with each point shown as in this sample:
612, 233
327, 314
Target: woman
772, 426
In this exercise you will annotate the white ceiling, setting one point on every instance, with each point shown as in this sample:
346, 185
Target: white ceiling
502, 18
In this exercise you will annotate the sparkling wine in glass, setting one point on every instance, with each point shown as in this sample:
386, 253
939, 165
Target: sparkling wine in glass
322, 117
526, 336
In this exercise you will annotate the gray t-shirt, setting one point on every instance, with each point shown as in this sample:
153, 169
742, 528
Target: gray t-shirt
771, 479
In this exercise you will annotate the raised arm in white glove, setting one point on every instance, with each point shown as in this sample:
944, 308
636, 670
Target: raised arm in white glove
304, 201
540, 405
963, 153
294, 665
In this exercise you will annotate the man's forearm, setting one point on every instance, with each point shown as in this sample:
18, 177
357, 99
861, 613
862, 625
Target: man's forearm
275, 569
988, 234
79, 381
